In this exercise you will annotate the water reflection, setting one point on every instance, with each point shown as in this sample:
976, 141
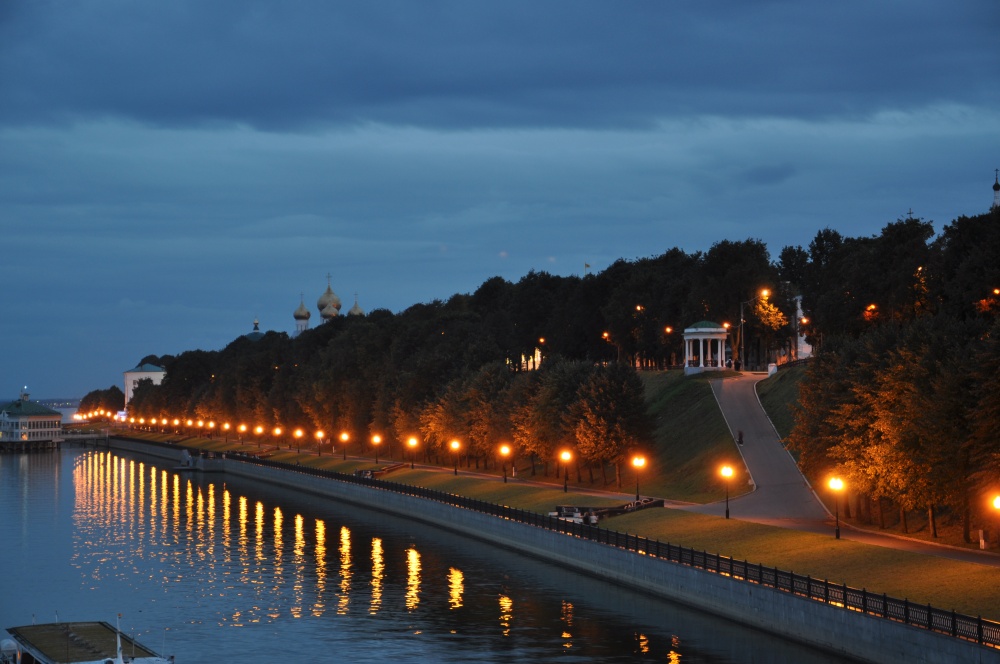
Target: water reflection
238, 566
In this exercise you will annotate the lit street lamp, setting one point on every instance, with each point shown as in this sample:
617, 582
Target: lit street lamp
996, 506
455, 445
836, 484
376, 439
504, 453
638, 462
412, 442
727, 472
319, 442
344, 437
298, 440
565, 456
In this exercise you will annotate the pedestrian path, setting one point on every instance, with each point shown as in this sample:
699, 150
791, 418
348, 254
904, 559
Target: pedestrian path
781, 495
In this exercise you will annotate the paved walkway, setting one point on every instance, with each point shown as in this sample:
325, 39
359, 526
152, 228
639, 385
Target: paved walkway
781, 495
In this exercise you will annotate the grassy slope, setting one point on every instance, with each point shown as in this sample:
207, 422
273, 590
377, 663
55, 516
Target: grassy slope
691, 439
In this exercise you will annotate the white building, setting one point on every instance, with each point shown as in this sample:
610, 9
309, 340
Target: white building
26, 421
133, 376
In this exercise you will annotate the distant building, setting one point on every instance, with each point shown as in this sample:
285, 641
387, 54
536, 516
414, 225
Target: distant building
328, 305
133, 376
996, 189
25, 420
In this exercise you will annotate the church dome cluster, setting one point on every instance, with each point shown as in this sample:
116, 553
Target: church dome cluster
328, 305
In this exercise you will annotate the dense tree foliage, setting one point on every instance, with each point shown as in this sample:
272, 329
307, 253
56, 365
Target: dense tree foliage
109, 400
901, 400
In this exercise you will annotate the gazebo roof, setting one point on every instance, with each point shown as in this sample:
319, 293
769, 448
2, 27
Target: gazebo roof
705, 326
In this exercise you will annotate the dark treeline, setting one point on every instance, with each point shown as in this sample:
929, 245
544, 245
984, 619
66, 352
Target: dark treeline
903, 399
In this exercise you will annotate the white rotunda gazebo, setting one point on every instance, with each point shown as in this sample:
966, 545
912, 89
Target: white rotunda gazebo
705, 347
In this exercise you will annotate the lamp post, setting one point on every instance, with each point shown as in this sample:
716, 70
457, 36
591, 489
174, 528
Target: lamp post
504, 453
836, 484
259, 430
298, 433
320, 435
412, 442
225, 427
344, 437
743, 359
376, 439
277, 438
996, 506
638, 462
455, 445
727, 472
565, 456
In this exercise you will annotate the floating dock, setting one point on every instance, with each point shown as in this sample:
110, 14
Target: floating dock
77, 643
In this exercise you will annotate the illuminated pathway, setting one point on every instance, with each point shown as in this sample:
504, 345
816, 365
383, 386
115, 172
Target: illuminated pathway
782, 496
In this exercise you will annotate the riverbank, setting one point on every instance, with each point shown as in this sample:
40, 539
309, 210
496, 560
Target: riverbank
816, 623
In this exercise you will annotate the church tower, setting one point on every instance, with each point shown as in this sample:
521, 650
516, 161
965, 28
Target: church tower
301, 316
996, 189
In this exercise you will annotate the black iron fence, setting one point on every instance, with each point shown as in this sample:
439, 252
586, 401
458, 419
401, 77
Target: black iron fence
925, 616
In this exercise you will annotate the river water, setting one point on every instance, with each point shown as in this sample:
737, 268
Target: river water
221, 570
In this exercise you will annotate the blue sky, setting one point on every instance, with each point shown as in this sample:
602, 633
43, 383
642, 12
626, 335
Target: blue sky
170, 171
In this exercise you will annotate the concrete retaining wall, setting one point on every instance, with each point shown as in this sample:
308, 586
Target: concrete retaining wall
849, 633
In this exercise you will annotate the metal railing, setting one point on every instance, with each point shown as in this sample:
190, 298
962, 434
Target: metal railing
925, 616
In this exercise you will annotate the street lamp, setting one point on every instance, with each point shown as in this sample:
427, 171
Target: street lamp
727, 472
638, 462
412, 442
743, 359
226, 427
455, 445
376, 439
259, 430
836, 484
565, 456
996, 506
320, 435
298, 440
504, 453
344, 437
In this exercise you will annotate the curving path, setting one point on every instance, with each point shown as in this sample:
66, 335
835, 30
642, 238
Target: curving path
781, 496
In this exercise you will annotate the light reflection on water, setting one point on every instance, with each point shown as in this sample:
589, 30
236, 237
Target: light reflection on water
215, 570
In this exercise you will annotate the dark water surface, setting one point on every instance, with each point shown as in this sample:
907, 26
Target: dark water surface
215, 570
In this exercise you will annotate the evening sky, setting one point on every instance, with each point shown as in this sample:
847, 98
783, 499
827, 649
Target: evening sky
170, 171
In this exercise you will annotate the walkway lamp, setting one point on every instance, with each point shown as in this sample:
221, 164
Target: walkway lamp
836, 485
727, 472
412, 443
319, 442
565, 457
298, 433
242, 429
376, 441
225, 427
344, 437
638, 462
504, 453
455, 446
259, 430
996, 506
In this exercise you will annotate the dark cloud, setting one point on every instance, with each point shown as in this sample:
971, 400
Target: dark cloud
559, 64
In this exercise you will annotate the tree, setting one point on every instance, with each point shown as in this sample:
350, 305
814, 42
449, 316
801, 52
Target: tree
610, 416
